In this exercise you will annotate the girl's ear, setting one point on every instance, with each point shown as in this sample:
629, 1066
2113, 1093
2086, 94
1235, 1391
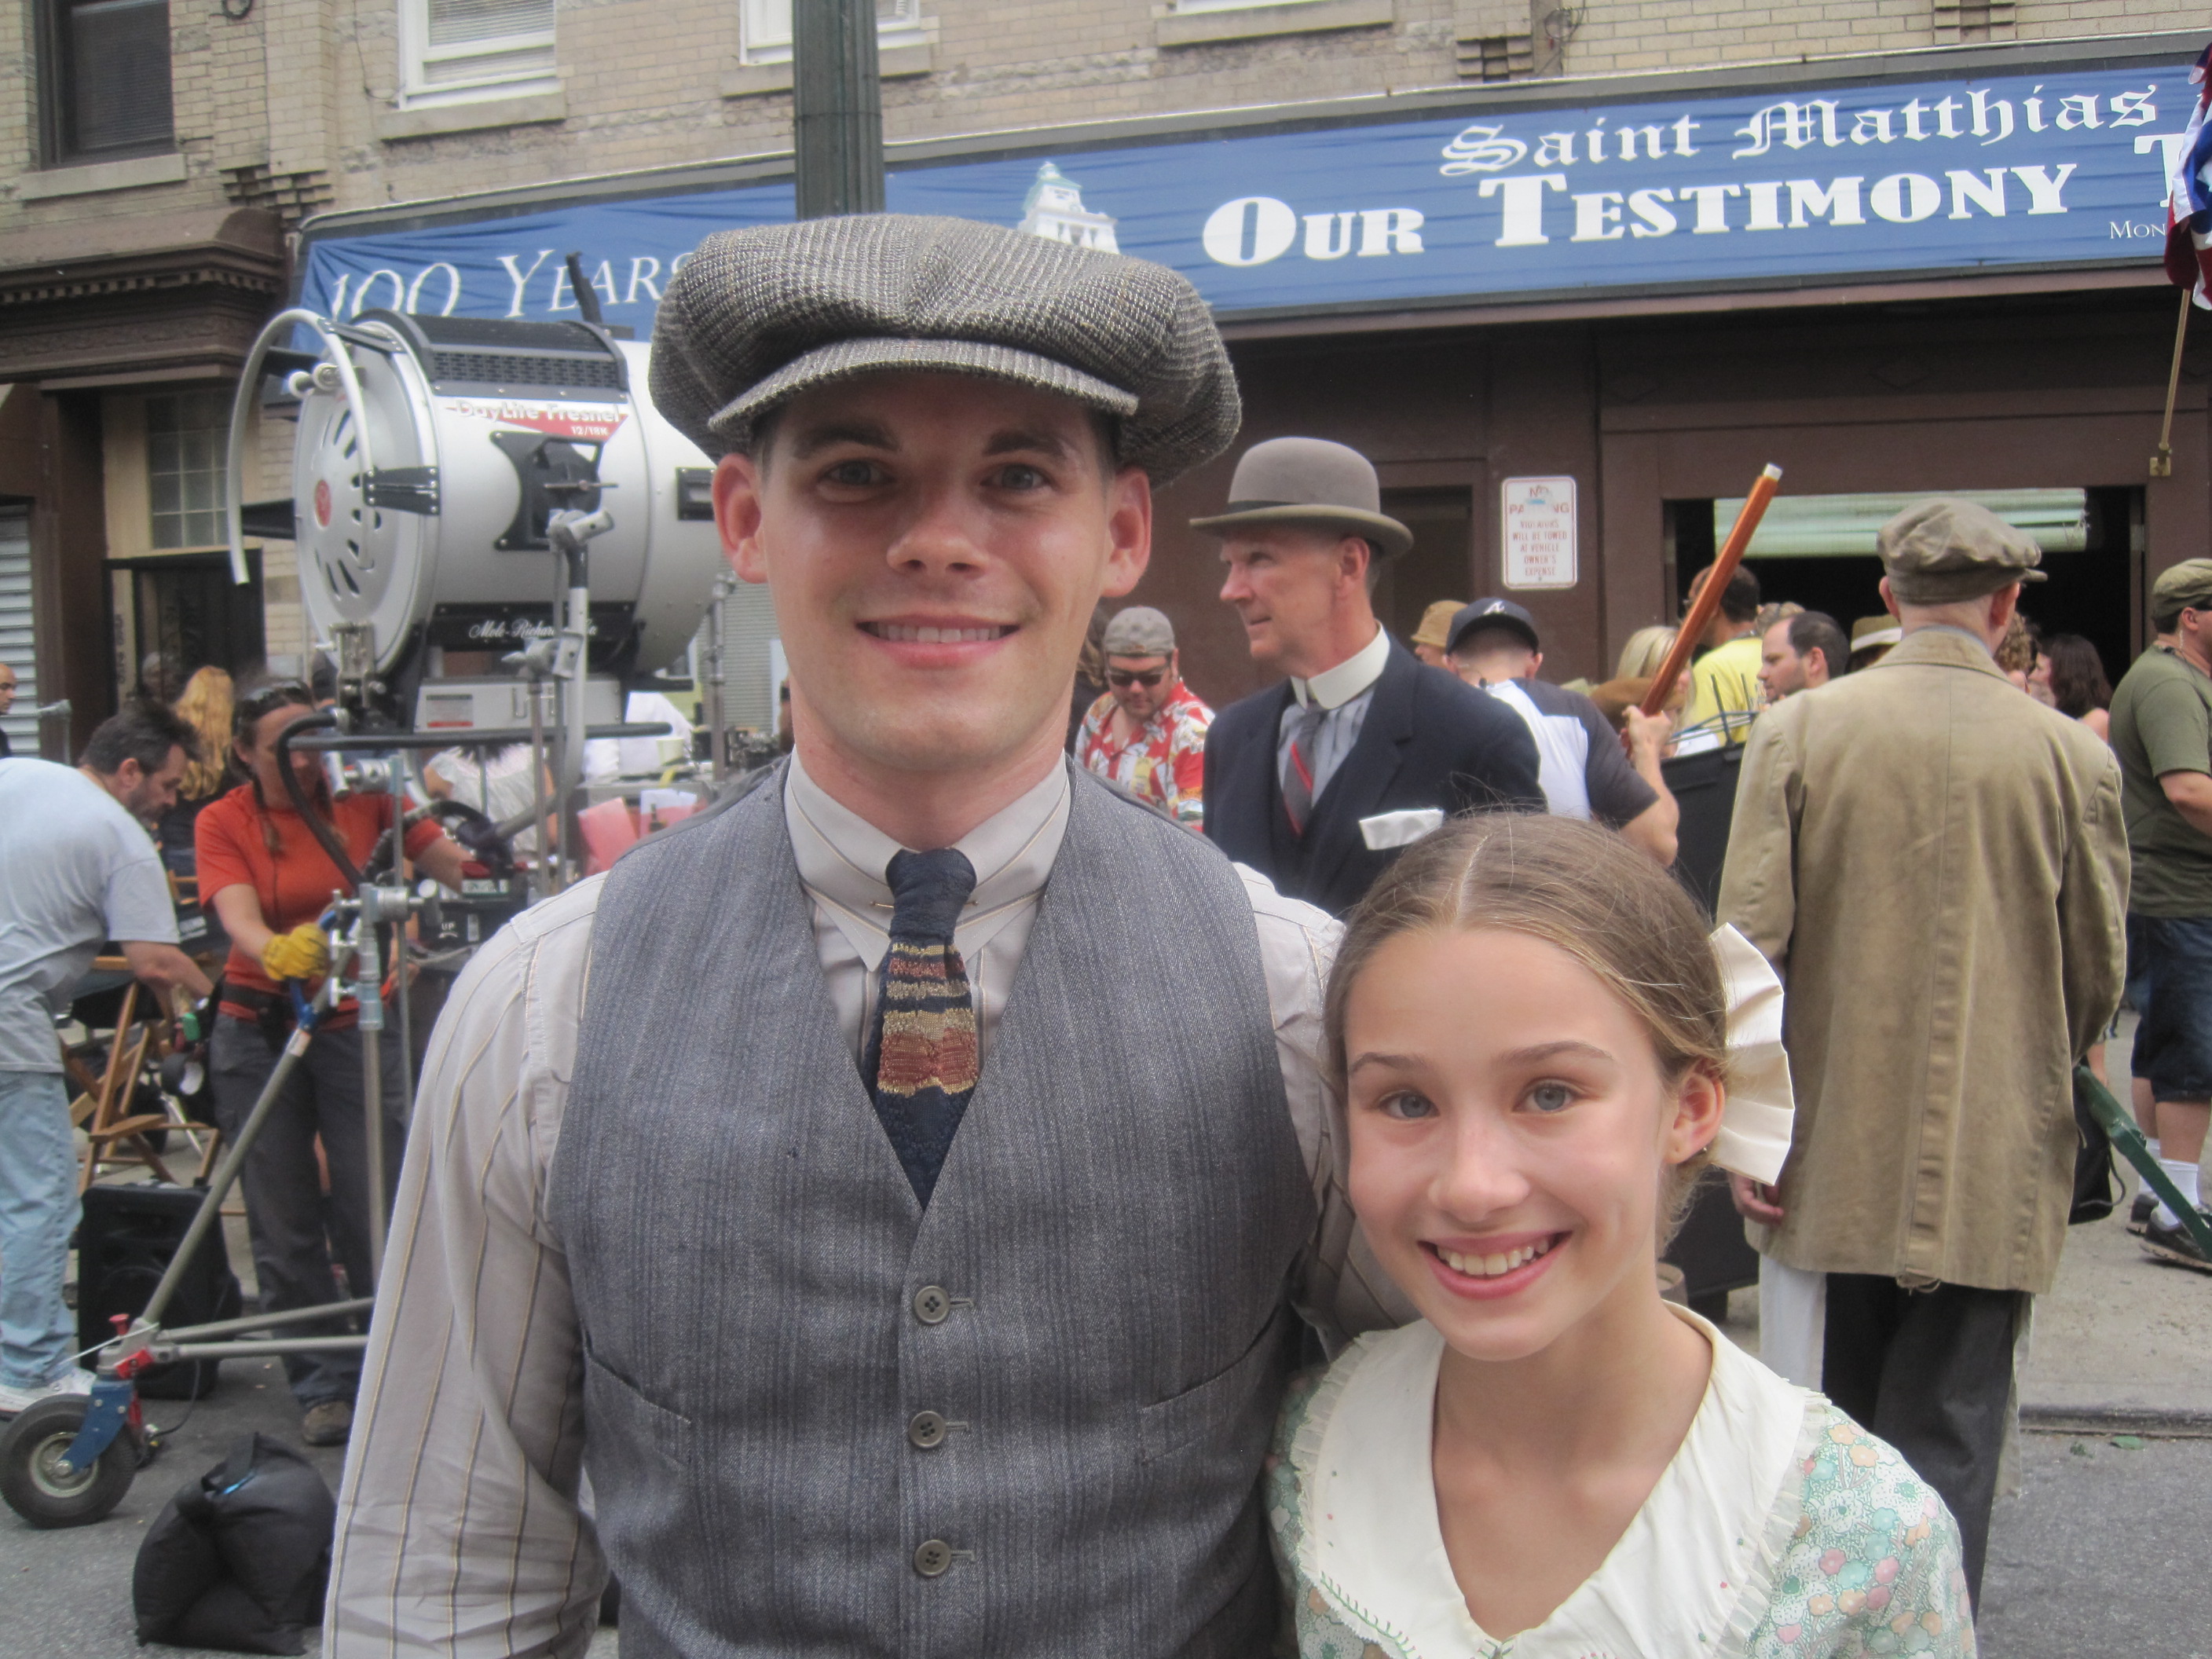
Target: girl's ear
1698, 1100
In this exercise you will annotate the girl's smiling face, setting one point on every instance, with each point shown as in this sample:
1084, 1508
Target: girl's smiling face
1512, 1127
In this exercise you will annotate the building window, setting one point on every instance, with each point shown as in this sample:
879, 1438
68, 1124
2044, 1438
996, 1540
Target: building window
104, 79
1497, 58
187, 433
767, 29
454, 51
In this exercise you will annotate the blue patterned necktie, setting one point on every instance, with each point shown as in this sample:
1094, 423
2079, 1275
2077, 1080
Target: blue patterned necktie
921, 1062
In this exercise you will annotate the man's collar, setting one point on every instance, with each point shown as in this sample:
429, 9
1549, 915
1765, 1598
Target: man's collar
1335, 687
1980, 643
843, 857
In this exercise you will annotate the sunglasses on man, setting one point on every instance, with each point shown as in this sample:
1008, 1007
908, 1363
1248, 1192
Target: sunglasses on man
1123, 678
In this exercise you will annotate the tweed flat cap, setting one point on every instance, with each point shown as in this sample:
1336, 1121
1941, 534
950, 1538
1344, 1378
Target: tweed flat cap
1943, 549
2186, 586
759, 315
1308, 481
1139, 631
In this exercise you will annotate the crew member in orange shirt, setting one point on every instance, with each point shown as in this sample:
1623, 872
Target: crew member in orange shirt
268, 880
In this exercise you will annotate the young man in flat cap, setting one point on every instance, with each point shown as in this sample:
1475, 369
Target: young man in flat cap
1317, 783
2162, 732
1147, 732
901, 1287
1937, 868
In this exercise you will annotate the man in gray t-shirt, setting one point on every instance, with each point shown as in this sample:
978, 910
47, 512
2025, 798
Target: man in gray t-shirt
81, 869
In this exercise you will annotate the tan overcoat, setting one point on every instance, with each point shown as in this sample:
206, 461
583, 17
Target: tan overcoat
1937, 866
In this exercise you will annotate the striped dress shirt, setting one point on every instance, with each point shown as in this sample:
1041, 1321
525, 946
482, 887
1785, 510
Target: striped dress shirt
460, 1528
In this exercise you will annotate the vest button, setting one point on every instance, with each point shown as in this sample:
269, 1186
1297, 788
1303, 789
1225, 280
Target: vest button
933, 1557
931, 1305
926, 1430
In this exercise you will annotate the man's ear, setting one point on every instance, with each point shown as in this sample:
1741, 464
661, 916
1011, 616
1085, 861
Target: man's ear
1889, 601
738, 485
1128, 531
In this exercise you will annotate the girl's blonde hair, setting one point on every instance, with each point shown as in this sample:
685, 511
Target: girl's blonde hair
1582, 888
1645, 650
205, 705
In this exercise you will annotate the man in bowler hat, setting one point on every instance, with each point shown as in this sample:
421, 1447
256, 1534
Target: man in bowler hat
1317, 783
899, 1288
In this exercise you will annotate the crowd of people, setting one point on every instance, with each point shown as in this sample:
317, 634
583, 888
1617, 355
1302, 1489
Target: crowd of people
961, 1193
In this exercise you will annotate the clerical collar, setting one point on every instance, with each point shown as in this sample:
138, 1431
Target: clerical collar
842, 856
1335, 687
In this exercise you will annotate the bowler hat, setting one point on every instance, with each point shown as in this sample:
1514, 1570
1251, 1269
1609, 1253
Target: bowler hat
757, 316
1308, 481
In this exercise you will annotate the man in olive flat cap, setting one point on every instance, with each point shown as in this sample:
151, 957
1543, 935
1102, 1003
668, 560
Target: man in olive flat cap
899, 1287
1318, 783
2161, 730
1937, 866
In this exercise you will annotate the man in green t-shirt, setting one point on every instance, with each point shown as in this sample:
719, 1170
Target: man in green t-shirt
2162, 731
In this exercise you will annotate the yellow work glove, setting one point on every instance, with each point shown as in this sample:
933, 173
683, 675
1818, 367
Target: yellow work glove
300, 954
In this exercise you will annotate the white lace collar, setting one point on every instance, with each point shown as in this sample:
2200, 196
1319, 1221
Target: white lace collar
1689, 1577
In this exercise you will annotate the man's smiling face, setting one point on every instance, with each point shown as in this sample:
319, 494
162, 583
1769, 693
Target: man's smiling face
935, 545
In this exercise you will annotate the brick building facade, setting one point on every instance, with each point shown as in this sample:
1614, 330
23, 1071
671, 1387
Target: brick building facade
158, 161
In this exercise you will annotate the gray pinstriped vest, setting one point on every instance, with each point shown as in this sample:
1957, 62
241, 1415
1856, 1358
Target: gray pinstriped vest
1112, 1236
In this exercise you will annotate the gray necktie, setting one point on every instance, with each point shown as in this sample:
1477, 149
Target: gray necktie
1298, 775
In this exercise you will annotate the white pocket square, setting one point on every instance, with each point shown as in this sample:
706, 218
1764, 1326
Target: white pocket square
1387, 830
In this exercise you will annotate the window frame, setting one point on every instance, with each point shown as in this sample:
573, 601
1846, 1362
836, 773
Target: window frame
418, 91
49, 39
757, 45
1203, 8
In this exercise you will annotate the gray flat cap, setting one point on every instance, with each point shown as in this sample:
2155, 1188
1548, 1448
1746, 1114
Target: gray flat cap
757, 316
1139, 631
1308, 481
1943, 549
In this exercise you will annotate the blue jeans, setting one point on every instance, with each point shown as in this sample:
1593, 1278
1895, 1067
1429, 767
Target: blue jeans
38, 1211
2176, 1033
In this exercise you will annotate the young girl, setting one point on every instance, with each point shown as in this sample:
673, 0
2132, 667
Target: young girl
1532, 1031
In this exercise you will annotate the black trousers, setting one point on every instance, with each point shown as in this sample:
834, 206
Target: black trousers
295, 1230
1931, 1372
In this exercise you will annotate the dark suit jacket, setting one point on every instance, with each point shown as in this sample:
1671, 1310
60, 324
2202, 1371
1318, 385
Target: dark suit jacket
1429, 740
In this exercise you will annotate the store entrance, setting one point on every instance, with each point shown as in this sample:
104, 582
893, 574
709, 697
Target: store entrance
2093, 542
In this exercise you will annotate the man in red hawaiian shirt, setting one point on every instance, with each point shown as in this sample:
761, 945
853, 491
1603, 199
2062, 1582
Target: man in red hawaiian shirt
1148, 732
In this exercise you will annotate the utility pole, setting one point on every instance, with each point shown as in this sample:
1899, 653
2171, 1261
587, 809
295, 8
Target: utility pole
837, 107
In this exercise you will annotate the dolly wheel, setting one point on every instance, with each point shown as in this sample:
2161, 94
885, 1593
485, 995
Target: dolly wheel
36, 1484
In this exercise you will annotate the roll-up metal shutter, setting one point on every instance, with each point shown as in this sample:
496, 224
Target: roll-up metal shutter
15, 626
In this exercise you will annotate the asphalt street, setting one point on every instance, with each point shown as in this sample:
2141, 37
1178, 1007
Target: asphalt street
2101, 1550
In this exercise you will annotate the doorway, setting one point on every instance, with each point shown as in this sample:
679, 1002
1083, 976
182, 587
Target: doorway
2094, 575
1440, 565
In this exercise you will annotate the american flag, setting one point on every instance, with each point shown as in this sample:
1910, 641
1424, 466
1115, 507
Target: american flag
2189, 198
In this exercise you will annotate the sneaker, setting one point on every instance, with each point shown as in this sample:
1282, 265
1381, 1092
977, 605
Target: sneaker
75, 1380
2177, 1244
2141, 1211
327, 1422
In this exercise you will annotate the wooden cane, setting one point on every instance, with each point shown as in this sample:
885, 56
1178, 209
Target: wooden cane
1708, 597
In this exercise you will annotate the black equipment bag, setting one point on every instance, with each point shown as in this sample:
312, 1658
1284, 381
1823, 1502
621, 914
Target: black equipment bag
2096, 1190
128, 1235
239, 1559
